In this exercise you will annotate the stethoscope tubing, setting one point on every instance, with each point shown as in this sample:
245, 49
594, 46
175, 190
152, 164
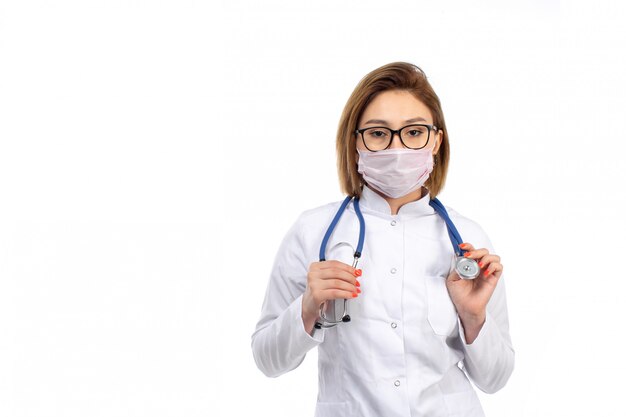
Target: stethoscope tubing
357, 254
455, 236
331, 227
453, 233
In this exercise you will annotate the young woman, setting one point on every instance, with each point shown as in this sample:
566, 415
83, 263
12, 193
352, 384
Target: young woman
401, 333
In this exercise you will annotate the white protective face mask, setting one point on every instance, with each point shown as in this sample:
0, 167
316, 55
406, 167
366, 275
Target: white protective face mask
396, 172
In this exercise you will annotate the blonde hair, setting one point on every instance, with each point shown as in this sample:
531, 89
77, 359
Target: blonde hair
394, 76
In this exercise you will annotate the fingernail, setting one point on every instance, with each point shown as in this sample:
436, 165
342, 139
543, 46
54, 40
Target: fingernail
354, 294
358, 284
486, 272
480, 264
467, 254
462, 245
358, 290
358, 272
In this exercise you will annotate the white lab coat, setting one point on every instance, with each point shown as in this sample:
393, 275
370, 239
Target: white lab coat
404, 352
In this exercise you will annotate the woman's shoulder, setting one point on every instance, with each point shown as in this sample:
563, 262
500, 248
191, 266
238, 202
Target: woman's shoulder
310, 225
471, 231
319, 213
461, 218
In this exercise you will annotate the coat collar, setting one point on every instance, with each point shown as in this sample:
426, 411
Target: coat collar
372, 201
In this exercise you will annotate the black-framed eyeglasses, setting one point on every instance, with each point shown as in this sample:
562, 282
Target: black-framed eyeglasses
379, 138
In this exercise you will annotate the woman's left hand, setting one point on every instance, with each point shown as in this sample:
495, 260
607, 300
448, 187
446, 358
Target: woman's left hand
470, 296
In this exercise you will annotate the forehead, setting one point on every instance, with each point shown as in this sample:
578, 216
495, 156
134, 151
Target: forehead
395, 106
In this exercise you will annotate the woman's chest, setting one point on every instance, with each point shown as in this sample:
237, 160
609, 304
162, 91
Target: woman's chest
394, 248
404, 306
401, 259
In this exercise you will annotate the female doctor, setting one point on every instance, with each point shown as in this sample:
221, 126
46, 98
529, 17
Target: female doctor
416, 333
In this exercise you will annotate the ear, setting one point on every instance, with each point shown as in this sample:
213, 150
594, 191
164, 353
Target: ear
439, 140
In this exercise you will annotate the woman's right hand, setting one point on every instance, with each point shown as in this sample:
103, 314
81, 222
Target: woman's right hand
327, 280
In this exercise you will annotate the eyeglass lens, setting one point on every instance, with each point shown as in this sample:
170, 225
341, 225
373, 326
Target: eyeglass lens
378, 138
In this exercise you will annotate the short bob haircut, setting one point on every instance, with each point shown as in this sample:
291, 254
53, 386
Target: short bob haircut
393, 76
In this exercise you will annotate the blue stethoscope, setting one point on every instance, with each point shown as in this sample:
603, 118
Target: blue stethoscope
465, 267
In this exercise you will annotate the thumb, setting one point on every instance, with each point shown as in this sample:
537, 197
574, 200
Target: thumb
453, 276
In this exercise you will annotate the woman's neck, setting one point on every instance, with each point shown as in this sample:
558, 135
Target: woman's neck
396, 203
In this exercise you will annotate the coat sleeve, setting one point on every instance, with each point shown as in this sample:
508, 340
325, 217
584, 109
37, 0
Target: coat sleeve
490, 358
279, 341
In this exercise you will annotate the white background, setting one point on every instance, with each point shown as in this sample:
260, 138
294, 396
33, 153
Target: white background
154, 153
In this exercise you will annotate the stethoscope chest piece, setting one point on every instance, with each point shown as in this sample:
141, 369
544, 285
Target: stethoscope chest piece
466, 268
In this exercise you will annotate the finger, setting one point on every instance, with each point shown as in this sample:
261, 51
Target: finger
336, 264
486, 260
476, 253
466, 246
334, 273
453, 276
333, 294
494, 268
338, 284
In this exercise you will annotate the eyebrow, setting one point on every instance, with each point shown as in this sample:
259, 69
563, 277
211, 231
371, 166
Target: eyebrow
384, 122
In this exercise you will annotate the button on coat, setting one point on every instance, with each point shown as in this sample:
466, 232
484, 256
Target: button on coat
372, 366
